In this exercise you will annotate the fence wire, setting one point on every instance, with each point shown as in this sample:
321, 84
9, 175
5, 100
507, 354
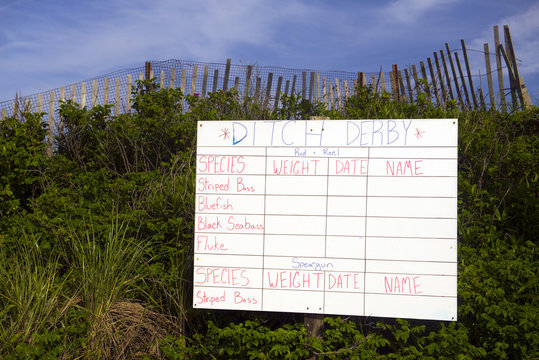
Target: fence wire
263, 83
179, 74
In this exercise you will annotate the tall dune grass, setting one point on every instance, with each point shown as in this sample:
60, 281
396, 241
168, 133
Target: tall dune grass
32, 297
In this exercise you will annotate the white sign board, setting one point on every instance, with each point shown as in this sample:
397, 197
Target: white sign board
350, 217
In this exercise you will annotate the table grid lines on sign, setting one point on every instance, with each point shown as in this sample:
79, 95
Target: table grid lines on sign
327, 213
365, 228
264, 231
365, 246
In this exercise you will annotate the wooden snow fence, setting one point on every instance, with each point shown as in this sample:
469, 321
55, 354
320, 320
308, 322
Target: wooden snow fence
444, 79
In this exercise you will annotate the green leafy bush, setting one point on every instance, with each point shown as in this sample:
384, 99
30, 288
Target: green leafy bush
64, 261
22, 156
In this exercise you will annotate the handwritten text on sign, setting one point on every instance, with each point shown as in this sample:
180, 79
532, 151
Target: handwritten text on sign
351, 217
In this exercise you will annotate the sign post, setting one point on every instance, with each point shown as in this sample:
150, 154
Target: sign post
350, 217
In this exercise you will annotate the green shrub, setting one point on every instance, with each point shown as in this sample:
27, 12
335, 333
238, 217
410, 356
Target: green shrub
65, 259
22, 156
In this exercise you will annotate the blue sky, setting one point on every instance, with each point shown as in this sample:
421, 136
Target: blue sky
48, 44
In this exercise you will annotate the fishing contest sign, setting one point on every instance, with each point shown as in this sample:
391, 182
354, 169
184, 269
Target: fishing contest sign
351, 217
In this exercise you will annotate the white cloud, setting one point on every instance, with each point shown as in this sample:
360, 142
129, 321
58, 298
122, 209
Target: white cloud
148, 30
91, 38
524, 28
409, 11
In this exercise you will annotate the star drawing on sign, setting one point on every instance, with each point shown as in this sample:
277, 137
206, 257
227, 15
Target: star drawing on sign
225, 133
418, 133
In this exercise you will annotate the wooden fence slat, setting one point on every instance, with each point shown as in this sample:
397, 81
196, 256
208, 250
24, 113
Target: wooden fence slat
408, 82
511, 50
325, 91
73, 92
62, 99
257, 90
293, 91
15, 109
205, 81
363, 78
454, 72
312, 81
433, 79
481, 99
278, 92
394, 90
247, 83
182, 80
82, 95
105, 91
447, 77
94, 93
236, 83
311, 87
512, 82
425, 79
470, 81
304, 85
346, 92
227, 75
373, 83
382, 81
338, 91
440, 79
51, 123
511, 75
402, 90
194, 75
499, 69
39, 103
489, 76
147, 67
423, 70
268, 90
27, 105
317, 86
526, 96
464, 88
417, 88
117, 98
172, 78
162, 79
331, 99
215, 80
128, 94
3, 114
286, 88
141, 76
